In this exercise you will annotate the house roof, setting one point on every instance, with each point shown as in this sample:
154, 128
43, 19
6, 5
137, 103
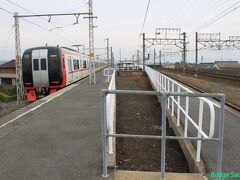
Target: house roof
9, 64
227, 64
205, 65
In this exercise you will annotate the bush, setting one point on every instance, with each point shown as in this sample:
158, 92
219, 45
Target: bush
7, 98
8, 89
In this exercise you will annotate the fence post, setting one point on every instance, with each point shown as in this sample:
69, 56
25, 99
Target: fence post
163, 144
165, 83
220, 136
199, 142
186, 118
160, 83
173, 98
178, 109
104, 136
168, 91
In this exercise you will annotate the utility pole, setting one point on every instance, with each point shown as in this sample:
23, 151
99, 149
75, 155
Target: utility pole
92, 76
160, 56
154, 58
138, 57
18, 61
143, 52
107, 52
120, 55
184, 52
196, 51
111, 56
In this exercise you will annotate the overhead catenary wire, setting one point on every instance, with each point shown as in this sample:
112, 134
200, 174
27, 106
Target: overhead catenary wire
220, 15
144, 21
219, 18
77, 8
197, 13
39, 26
145, 17
6, 44
54, 25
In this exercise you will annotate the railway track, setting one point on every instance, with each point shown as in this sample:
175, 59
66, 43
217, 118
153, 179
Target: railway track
199, 90
217, 75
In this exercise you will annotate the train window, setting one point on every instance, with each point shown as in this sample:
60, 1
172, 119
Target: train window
80, 64
43, 64
76, 64
84, 64
69, 63
35, 65
26, 56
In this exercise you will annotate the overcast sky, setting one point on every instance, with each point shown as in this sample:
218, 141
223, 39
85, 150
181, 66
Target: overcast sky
121, 22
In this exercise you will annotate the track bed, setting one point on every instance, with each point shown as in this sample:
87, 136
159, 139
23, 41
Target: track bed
142, 115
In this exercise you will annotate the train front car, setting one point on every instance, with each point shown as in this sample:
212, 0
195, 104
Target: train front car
43, 71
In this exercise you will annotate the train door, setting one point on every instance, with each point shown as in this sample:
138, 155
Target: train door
40, 67
70, 69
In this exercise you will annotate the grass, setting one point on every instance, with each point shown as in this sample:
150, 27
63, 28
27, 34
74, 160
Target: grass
7, 93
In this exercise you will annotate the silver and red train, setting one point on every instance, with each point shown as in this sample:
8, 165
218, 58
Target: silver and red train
48, 69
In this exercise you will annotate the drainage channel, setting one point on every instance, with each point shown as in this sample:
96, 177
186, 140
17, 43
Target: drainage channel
142, 115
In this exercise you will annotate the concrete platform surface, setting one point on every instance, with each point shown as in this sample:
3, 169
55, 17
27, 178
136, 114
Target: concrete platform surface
140, 175
59, 140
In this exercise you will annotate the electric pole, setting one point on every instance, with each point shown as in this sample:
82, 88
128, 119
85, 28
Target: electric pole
184, 52
160, 56
138, 57
143, 52
111, 56
18, 62
196, 51
154, 58
92, 76
107, 52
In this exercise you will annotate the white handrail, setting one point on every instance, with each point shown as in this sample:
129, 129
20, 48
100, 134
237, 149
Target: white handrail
163, 83
110, 109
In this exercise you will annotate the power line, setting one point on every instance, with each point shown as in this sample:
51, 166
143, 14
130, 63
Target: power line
77, 8
39, 26
183, 10
220, 15
6, 44
198, 12
145, 17
19, 6
55, 26
43, 28
6, 11
144, 20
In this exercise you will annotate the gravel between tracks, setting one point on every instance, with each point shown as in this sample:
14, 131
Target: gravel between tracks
142, 115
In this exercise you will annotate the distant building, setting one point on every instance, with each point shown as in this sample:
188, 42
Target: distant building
205, 65
8, 73
127, 64
181, 65
169, 66
226, 65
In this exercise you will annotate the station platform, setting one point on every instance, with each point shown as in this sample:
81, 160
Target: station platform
58, 137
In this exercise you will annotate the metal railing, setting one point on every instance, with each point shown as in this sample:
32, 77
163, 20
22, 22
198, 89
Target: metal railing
163, 83
111, 109
129, 68
106, 134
